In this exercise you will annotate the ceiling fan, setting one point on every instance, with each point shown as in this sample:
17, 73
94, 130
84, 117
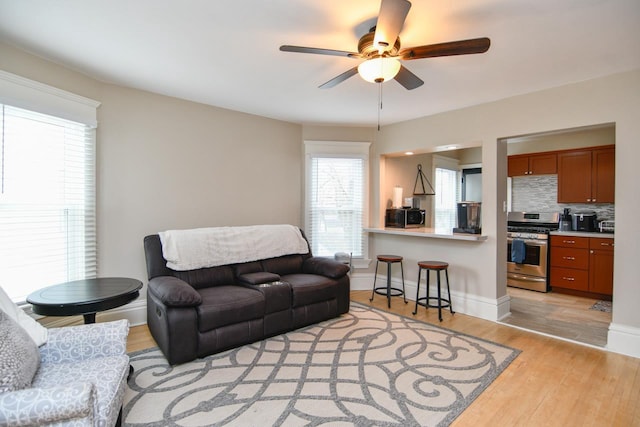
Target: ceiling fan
380, 49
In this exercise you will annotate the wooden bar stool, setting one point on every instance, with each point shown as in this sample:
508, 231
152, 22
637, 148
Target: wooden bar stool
388, 290
436, 266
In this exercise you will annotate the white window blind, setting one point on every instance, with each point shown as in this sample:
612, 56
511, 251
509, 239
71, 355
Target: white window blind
336, 198
447, 193
47, 201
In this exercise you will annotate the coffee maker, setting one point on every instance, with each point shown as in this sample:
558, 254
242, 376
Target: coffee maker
565, 220
468, 218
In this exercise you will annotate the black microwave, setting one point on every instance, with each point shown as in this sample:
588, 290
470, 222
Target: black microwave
404, 218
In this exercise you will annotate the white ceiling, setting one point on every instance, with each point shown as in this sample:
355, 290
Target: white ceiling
225, 52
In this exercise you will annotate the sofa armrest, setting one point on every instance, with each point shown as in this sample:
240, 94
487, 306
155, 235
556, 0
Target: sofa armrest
83, 342
174, 292
325, 267
44, 406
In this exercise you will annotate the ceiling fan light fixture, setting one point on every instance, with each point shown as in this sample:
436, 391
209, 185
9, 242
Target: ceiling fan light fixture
378, 70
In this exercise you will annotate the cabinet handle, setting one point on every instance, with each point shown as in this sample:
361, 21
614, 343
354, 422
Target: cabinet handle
604, 244
571, 279
593, 200
569, 241
591, 251
570, 258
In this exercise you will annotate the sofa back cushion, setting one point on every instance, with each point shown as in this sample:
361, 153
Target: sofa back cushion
288, 264
19, 356
207, 277
156, 264
247, 268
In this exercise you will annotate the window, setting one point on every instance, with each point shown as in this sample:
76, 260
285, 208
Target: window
336, 197
47, 200
447, 193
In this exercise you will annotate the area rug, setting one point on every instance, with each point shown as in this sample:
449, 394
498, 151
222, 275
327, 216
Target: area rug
601, 305
365, 368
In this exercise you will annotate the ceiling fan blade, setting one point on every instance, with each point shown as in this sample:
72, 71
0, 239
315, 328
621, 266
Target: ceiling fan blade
302, 49
339, 79
462, 47
390, 21
407, 79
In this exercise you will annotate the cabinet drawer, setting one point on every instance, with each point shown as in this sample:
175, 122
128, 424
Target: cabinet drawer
603, 244
570, 242
570, 257
569, 278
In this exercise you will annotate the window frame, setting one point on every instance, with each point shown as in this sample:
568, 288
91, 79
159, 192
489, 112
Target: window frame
339, 149
36, 97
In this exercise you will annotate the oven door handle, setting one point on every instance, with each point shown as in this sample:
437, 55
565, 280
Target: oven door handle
531, 242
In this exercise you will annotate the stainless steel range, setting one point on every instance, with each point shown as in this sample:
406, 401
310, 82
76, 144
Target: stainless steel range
528, 249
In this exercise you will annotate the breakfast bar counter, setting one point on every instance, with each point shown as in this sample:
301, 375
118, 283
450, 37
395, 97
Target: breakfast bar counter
432, 233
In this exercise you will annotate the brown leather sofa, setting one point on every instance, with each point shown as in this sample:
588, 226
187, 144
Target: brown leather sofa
196, 313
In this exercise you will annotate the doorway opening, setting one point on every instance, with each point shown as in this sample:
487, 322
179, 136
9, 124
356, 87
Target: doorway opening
577, 318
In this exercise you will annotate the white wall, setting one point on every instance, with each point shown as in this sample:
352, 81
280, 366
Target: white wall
164, 163
612, 99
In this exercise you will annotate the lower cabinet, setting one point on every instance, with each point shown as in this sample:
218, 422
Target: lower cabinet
601, 266
582, 264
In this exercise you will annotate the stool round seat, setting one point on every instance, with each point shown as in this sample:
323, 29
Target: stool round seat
433, 265
388, 290
389, 258
439, 301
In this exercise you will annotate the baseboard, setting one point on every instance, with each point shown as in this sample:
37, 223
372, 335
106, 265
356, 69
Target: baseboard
472, 305
624, 339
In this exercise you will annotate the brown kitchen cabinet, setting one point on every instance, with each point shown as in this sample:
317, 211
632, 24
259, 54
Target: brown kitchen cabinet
532, 164
569, 263
601, 266
583, 264
586, 175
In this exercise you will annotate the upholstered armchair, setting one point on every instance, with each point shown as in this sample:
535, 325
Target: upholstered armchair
79, 380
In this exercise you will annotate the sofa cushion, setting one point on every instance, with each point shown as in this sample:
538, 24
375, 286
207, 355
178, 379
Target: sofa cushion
19, 356
288, 264
225, 305
310, 288
207, 277
247, 267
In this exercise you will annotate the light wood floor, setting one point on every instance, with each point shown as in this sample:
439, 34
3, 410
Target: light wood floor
560, 315
551, 383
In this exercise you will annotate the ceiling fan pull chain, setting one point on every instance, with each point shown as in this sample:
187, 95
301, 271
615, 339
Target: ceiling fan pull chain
379, 103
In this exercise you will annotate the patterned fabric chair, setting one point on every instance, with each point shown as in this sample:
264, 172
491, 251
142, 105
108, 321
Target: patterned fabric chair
80, 380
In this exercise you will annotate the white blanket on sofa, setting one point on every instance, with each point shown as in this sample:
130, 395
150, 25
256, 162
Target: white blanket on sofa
210, 247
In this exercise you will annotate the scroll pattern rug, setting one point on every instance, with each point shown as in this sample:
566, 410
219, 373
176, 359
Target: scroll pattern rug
367, 367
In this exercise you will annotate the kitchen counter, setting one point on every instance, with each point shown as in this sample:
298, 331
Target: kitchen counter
582, 234
433, 233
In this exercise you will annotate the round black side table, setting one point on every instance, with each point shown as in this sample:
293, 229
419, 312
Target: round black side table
84, 297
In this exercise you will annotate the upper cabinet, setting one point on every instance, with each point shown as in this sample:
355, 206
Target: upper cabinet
587, 175
532, 164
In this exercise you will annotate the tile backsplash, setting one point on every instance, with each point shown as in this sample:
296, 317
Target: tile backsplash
539, 193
